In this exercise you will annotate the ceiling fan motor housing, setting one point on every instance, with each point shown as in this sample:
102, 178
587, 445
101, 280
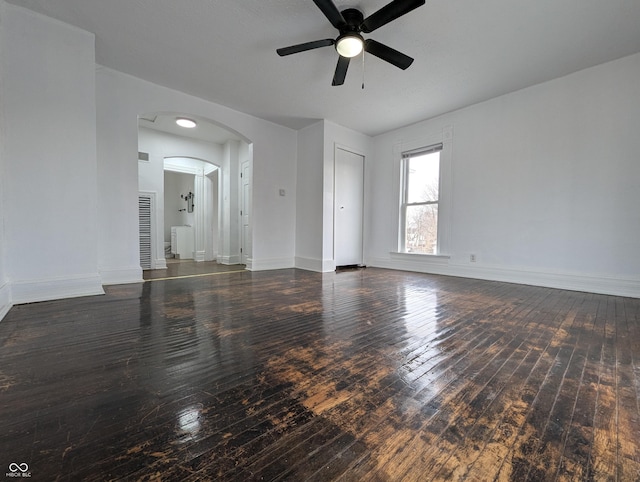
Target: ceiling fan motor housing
353, 18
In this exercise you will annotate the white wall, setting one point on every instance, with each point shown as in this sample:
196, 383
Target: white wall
121, 98
49, 157
315, 190
545, 185
162, 144
229, 247
72, 147
309, 186
5, 286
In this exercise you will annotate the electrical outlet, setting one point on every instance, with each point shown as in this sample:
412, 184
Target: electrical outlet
472, 258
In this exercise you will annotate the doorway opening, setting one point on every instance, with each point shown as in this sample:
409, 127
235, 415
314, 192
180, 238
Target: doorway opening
195, 177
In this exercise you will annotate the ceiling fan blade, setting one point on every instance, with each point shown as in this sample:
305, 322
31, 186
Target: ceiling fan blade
341, 70
294, 49
331, 12
388, 54
388, 13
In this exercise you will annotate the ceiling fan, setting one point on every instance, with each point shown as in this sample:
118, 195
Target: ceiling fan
349, 43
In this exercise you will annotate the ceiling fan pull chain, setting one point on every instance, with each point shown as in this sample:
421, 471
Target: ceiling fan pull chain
363, 70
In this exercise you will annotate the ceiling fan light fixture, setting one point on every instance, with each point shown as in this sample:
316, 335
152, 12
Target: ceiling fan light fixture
350, 44
184, 122
350, 23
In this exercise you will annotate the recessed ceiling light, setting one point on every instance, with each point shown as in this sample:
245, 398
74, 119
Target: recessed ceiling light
184, 122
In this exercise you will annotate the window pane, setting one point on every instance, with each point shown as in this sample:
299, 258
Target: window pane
421, 234
423, 178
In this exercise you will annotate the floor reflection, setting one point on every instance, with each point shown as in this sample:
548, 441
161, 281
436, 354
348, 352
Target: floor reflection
292, 375
177, 268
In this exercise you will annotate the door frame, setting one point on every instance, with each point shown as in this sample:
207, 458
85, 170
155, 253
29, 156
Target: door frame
357, 152
245, 206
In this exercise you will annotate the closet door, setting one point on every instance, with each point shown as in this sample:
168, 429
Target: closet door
348, 208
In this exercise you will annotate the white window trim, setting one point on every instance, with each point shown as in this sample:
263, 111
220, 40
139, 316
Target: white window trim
445, 137
404, 204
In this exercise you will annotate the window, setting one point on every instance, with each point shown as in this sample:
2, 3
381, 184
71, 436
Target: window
420, 200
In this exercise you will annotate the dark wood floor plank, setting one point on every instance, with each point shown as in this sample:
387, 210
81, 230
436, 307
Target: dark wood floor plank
479, 426
547, 460
484, 460
484, 389
437, 407
568, 424
500, 453
603, 464
575, 442
290, 375
342, 457
628, 396
179, 268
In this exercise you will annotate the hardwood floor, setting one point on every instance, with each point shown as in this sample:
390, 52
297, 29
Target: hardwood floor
179, 268
364, 375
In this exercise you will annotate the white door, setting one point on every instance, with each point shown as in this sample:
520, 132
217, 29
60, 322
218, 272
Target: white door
348, 208
245, 241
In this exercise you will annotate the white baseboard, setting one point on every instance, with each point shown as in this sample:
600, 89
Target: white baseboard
606, 285
309, 264
55, 288
328, 265
317, 265
5, 300
234, 259
271, 263
211, 256
160, 263
120, 276
198, 256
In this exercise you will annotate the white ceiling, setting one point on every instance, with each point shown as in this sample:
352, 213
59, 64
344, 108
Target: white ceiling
204, 130
465, 51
